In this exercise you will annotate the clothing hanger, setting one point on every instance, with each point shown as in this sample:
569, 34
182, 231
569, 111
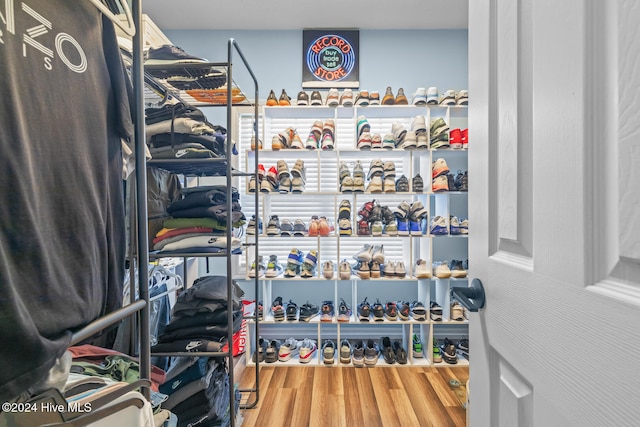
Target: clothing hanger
129, 29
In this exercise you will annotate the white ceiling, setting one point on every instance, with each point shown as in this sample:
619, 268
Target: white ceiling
299, 14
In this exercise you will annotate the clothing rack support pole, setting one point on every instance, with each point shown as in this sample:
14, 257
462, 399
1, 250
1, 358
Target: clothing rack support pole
141, 195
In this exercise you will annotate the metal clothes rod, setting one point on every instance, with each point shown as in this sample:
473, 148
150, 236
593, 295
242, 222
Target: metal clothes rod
99, 324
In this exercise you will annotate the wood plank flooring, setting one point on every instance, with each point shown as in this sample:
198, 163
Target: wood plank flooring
347, 396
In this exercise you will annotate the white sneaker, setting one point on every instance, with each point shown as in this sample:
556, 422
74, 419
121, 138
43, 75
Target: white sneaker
398, 131
420, 97
441, 270
327, 269
462, 98
347, 98
389, 184
333, 98
419, 124
365, 254
422, 270
375, 185
401, 271
448, 98
432, 95
410, 140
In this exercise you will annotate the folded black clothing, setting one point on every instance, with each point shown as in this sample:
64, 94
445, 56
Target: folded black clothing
204, 188
197, 249
213, 142
216, 318
213, 402
218, 212
210, 287
214, 197
169, 111
183, 151
209, 332
192, 373
194, 345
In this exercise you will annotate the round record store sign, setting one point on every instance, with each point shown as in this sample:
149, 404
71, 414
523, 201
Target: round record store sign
331, 60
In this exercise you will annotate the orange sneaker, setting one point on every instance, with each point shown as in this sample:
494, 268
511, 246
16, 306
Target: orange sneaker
285, 100
439, 167
324, 229
314, 227
272, 101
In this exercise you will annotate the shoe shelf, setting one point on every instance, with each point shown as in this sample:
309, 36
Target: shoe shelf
322, 196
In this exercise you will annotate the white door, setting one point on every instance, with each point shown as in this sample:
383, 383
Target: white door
554, 179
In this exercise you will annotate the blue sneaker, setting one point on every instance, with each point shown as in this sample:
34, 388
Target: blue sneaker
294, 261
415, 228
403, 227
439, 226
327, 311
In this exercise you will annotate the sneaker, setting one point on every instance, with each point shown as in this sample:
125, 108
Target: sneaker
284, 100
328, 132
448, 98
404, 310
371, 353
312, 142
346, 185
288, 349
439, 132
376, 141
422, 270
418, 311
391, 311
417, 211
415, 227
462, 98
345, 351
449, 352
455, 138
441, 270
169, 54
417, 184
400, 353
296, 142
419, 124
376, 228
257, 269
273, 226
377, 254
260, 311
252, 185
375, 270
364, 141
366, 209
344, 311
389, 269
417, 346
300, 228
374, 98
253, 143
328, 352
333, 98
307, 350
363, 228
465, 139
378, 311
316, 98
389, 141
267, 186
298, 171
439, 226
326, 311
294, 262
402, 184
388, 354
313, 227
437, 353
327, 269
345, 270
344, 211
388, 98
464, 226
291, 311
277, 309
409, 142
363, 98
391, 228
399, 133
344, 226
261, 350
401, 271
343, 171
308, 311
439, 167
454, 226
401, 99
463, 346
420, 97
303, 98
440, 184
422, 142
461, 181
363, 271
273, 268
309, 264
358, 184
286, 228
365, 254
432, 96
363, 125
457, 312
364, 311
403, 227
346, 99
358, 354
451, 182
251, 226
435, 311
375, 185
272, 100
376, 168
271, 352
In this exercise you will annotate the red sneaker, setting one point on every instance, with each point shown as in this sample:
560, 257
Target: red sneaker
465, 138
455, 138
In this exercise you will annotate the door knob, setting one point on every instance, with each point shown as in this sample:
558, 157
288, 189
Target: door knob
472, 297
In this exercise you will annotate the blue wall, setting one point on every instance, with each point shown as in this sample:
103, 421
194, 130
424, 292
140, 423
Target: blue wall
396, 58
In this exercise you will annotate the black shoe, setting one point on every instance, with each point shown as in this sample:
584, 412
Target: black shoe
169, 54
417, 184
400, 353
451, 181
387, 215
316, 98
449, 352
387, 351
461, 181
260, 351
378, 311
303, 98
271, 352
292, 310
307, 312
364, 311
402, 184
277, 309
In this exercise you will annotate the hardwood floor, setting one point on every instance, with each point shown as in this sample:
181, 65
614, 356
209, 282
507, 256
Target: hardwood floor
346, 396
